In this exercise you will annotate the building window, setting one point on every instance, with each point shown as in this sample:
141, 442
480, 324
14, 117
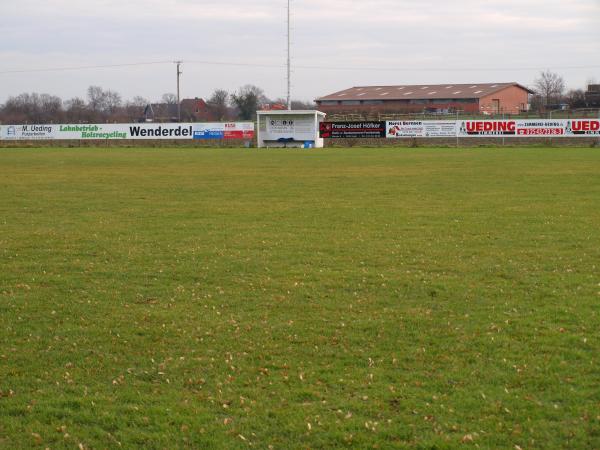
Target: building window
459, 100
496, 105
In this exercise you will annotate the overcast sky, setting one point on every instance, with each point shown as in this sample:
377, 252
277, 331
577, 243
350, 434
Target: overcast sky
336, 44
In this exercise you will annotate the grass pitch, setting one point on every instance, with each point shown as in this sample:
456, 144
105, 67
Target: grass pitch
185, 298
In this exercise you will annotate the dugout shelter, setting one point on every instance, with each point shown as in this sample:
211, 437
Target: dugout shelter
289, 129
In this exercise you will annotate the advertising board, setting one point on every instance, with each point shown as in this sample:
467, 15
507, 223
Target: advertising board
420, 128
352, 130
530, 128
465, 128
234, 130
300, 128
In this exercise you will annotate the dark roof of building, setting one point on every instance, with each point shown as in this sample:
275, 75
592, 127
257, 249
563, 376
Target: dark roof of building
193, 103
420, 91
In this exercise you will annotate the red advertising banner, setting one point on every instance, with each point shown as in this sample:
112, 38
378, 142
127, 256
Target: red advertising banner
530, 128
488, 128
584, 127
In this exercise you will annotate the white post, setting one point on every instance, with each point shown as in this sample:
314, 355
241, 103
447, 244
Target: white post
598, 142
503, 133
258, 145
316, 141
457, 130
551, 139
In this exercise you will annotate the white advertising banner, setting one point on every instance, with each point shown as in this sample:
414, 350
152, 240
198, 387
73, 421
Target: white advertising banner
302, 128
234, 130
543, 128
295, 127
420, 128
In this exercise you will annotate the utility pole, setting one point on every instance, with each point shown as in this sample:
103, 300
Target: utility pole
289, 60
179, 72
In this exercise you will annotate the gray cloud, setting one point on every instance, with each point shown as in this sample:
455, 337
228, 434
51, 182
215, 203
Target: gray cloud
441, 37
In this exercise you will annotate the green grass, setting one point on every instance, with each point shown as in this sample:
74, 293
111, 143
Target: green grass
184, 298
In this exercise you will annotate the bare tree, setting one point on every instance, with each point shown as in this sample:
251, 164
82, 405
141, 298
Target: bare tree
76, 110
96, 99
296, 104
138, 101
135, 108
18, 108
576, 98
218, 103
169, 99
51, 107
299, 104
34, 107
550, 86
112, 102
75, 103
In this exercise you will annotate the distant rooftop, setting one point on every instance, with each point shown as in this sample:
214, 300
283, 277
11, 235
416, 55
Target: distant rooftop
419, 91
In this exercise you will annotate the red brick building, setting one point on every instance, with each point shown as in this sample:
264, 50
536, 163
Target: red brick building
487, 98
196, 110
592, 96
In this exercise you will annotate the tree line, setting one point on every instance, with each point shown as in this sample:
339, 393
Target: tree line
551, 92
106, 105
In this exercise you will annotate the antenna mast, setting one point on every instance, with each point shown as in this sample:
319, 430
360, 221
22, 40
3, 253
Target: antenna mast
179, 72
289, 60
